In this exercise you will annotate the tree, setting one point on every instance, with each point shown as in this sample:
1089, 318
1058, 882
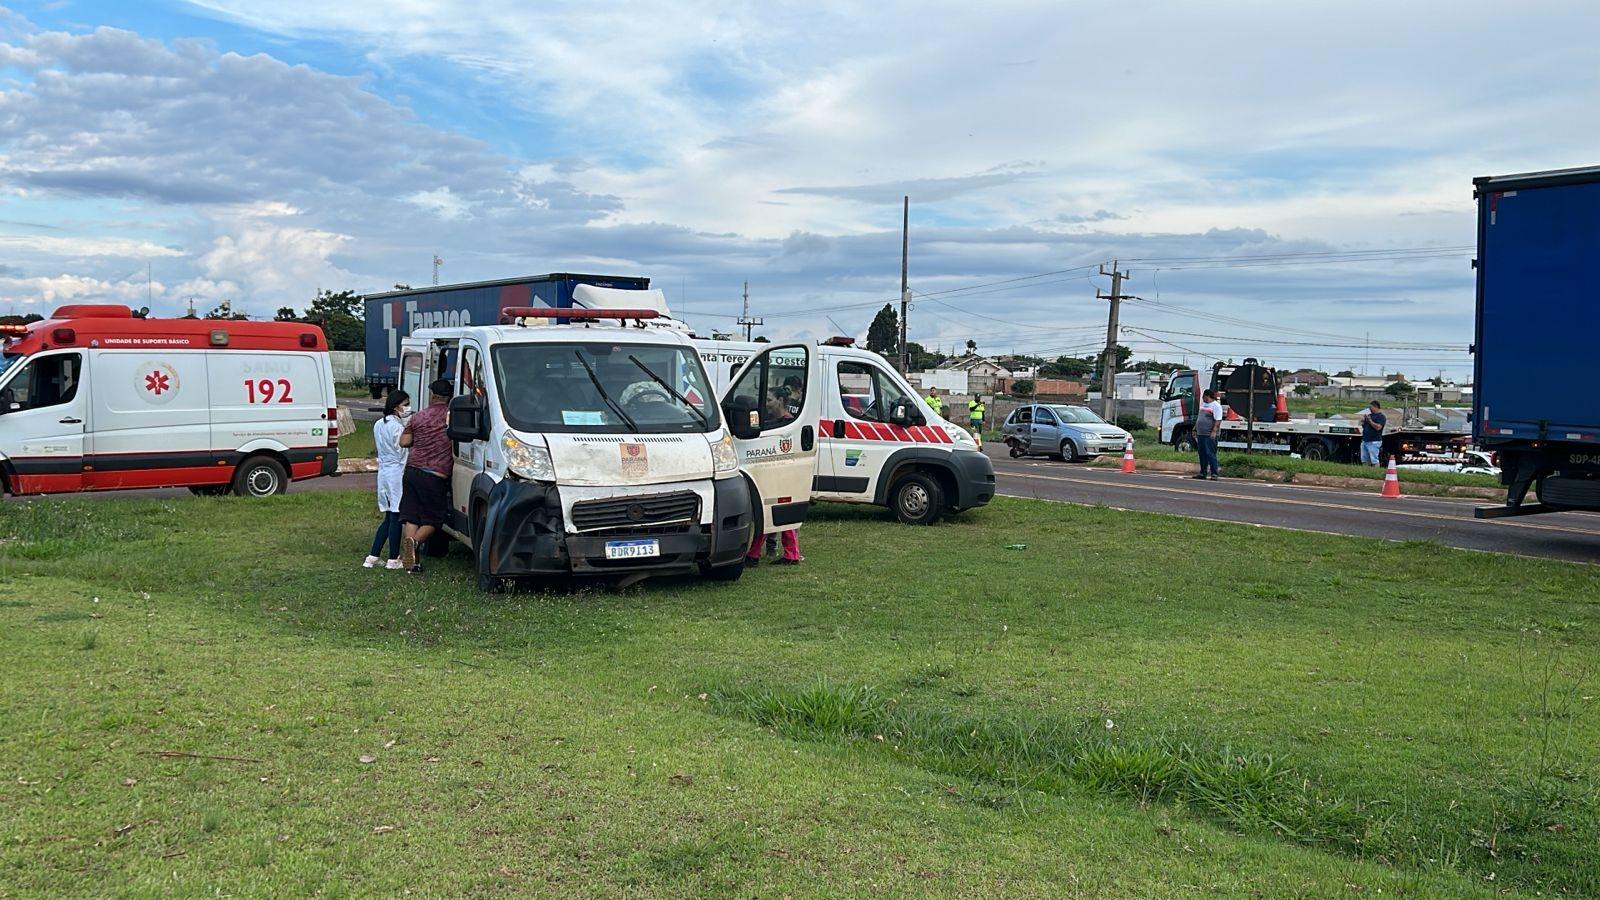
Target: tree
21, 320
1156, 365
1067, 367
340, 317
1400, 391
1344, 373
972, 346
1302, 390
1022, 387
1123, 355
919, 358
883, 335
762, 339
224, 310
285, 314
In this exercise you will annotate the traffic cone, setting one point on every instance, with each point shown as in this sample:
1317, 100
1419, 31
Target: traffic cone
1127, 457
1281, 413
1391, 480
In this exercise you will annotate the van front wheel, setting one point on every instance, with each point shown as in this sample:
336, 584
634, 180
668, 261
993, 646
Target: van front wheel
260, 476
917, 499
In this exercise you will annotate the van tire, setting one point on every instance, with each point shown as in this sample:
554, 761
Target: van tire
260, 476
729, 573
917, 499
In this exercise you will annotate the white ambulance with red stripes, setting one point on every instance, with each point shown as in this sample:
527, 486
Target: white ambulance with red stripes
878, 442
93, 398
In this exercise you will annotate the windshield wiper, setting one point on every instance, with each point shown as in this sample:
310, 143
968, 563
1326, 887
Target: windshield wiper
704, 422
632, 425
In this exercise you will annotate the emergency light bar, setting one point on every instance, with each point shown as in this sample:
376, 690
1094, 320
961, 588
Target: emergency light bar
510, 313
13, 329
839, 341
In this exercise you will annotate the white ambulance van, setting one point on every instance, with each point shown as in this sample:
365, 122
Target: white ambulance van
593, 444
878, 442
95, 399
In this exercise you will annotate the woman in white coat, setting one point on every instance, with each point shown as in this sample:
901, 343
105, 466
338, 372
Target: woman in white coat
391, 467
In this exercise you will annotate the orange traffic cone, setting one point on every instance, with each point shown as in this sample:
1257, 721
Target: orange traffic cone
1281, 412
1391, 480
1127, 456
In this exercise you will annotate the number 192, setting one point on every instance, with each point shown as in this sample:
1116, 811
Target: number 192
264, 390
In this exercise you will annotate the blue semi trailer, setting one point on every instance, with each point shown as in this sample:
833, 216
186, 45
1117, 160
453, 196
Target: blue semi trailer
391, 316
1537, 323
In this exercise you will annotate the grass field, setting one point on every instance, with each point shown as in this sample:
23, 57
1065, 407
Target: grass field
358, 443
210, 696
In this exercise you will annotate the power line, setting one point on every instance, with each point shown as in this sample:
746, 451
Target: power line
1249, 340
1300, 254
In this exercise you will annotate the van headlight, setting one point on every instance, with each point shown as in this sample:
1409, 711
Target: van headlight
723, 456
526, 460
960, 435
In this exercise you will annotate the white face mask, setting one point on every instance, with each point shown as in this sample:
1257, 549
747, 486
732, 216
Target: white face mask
403, 410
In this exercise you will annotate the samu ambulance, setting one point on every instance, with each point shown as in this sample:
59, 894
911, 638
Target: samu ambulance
878, 442
93, 398
593, 443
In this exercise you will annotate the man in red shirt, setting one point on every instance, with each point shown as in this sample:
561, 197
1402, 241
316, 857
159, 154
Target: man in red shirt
425, 486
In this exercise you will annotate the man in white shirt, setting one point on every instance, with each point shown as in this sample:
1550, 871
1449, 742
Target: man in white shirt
1207, 427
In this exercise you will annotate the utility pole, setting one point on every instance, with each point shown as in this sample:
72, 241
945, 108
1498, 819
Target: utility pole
1108, 360
437, 262
905, 286
745, 319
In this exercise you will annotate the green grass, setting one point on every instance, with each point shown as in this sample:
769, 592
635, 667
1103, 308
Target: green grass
1147, 445
1110, 711
358, 443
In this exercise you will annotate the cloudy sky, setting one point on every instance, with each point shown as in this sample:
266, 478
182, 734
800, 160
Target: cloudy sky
1290, 179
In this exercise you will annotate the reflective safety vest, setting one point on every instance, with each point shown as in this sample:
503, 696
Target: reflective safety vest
936, 403
975, 409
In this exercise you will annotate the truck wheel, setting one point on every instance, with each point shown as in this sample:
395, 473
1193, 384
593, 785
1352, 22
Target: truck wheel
1184, 443
1315, 450
729, 573
1069, 450
260, 476
917, 499
377, 391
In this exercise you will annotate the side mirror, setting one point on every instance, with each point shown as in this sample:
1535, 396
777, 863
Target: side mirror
901, 414
466, 420
744, 420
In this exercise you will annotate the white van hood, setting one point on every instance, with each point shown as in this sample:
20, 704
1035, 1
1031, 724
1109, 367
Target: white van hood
613, 459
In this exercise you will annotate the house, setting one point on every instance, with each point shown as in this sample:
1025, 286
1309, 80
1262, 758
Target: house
982, 372
951, 381
1305, 376
1140, 385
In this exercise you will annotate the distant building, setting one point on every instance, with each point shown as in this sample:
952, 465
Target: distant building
1047, 390
1140, 385
982, 372
1305, 376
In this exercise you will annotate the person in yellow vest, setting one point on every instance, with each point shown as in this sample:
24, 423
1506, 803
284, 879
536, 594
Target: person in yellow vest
975, 413
935, 402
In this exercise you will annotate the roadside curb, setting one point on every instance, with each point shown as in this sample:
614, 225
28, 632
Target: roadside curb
352, 466
1307, 478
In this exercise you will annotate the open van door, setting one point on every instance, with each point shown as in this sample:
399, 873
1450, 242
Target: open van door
772, 409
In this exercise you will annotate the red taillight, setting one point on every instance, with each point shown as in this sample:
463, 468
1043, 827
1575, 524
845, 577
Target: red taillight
308, 339
333, 426
63, 335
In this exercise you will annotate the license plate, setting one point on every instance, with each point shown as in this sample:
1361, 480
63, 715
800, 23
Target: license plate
632, 549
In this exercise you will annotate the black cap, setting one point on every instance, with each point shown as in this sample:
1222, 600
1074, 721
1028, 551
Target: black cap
441, 387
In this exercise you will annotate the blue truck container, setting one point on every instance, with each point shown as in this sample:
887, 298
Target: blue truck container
391, 316
1538, 316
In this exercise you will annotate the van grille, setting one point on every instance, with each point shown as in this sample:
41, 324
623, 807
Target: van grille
656, 514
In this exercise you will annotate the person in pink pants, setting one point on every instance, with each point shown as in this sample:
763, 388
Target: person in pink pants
791, 550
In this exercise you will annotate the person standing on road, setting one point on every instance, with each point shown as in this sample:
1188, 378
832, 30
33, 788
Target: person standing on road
975, 413
1372, 424
391, 468
935, 402
426, 482
1207, 427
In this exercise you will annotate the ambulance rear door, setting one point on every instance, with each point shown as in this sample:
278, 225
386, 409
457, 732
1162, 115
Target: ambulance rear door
772, 407
271, 400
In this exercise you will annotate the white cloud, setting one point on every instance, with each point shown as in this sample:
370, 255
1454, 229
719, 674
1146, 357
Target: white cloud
82, 247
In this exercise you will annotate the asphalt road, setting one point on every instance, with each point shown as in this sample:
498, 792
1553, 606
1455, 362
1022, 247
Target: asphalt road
1569, 536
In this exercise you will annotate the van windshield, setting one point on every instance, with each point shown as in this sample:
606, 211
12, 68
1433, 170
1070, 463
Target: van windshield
597, 388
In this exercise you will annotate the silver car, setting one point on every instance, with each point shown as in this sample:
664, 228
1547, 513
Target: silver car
1072, 433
